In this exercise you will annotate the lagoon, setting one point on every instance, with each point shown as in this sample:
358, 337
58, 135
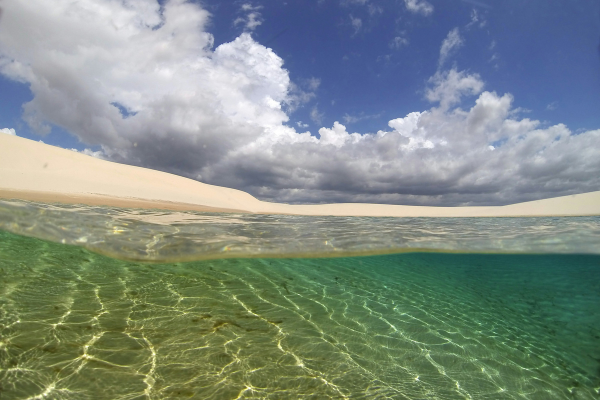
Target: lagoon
458, 316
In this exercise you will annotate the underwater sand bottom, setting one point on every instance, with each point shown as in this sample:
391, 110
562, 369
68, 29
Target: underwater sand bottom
76, 325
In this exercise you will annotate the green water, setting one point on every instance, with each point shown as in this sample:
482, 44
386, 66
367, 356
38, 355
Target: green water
78, 325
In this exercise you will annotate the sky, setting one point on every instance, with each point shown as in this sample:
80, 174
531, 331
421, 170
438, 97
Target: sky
418, 102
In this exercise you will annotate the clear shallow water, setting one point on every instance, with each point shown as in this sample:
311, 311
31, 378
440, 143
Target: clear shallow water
154, 235
75, 324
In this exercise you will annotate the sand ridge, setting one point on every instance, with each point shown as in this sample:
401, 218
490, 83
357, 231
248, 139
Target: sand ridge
31, 170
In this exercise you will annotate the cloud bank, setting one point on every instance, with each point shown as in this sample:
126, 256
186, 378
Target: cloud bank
145, 83
8, 131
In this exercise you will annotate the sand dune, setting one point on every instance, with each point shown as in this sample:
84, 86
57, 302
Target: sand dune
31, 170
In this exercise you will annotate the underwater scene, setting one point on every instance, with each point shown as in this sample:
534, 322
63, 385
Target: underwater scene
108, 303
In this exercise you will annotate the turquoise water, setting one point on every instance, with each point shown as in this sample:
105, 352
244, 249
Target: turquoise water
75, 324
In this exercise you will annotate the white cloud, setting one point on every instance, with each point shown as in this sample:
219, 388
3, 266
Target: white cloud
297, 97
252, 19
552, 106
350, 119
476, 19
221, 114
314, 83
448, 87
478, 4
494, 60
450, 44
250, 7
374, 10
398, 42
88, 152
316, 116
301, 124
433, 157
419, 6
192, 103
8, 131
356, 24
337, 136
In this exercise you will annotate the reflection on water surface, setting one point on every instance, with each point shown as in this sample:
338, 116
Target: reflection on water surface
154, 235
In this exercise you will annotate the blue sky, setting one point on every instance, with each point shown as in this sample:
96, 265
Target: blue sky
360, 63
543, 52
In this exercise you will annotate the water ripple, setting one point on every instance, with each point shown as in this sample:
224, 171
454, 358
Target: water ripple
155, 235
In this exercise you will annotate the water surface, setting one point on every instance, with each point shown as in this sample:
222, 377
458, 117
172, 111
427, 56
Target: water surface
155, 235
75, 324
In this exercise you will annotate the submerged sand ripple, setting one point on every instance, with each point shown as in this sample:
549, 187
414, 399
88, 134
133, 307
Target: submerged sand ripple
77, 325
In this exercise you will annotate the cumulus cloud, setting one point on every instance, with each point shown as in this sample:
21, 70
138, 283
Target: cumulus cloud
8, 131
145, 84
188, 104
252, 19
450, 44
419, 6
448, 87
443, 157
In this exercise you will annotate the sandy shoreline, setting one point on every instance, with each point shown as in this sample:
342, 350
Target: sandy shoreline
35, 171
100, 200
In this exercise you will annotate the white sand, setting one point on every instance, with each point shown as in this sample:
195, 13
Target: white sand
31, 170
